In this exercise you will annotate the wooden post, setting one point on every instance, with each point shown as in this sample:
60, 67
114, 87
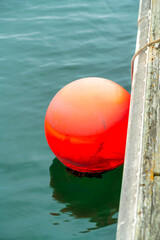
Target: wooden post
139, 215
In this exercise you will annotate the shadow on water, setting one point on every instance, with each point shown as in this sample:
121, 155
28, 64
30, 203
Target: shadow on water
93, 198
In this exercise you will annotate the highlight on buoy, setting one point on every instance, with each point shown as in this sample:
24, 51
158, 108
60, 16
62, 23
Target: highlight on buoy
86, 124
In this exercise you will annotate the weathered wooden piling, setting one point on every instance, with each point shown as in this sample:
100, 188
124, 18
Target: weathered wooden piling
139, 215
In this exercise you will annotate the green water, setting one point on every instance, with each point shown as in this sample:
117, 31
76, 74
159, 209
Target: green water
43, 46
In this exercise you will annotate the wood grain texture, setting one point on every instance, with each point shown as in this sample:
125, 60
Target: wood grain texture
155, 219
139, 217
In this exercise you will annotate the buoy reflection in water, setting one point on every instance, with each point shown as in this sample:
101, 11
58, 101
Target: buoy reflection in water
94, 198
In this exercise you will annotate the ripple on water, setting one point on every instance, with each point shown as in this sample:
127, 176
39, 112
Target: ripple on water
45, 45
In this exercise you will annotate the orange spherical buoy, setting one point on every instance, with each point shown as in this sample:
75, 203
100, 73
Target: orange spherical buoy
86, 124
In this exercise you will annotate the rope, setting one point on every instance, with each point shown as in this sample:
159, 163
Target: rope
139, 51
142, 19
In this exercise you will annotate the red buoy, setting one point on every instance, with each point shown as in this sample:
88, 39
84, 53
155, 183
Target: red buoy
86, 124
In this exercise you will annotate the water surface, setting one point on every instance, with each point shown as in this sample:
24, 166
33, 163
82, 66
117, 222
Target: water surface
44, 45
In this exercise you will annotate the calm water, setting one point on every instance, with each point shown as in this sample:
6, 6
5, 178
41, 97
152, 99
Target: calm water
43, 46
